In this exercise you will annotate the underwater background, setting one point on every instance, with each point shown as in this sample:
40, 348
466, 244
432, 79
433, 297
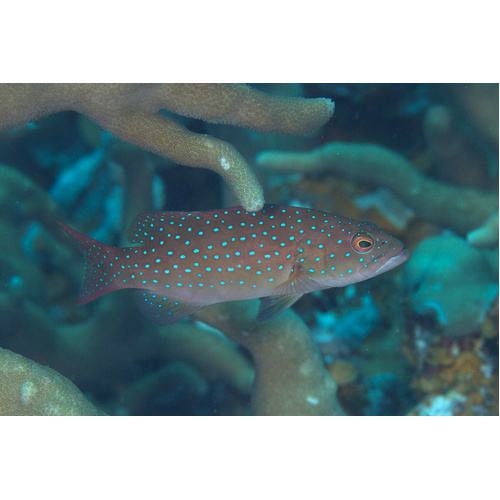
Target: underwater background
419, 160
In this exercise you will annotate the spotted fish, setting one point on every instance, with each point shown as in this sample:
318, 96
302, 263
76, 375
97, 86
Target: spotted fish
184, 261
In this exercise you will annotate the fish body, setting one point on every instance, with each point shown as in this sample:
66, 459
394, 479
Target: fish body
187, 260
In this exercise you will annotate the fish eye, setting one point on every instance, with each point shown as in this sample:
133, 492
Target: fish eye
362, 242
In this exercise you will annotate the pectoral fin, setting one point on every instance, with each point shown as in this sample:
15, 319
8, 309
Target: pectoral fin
273, 305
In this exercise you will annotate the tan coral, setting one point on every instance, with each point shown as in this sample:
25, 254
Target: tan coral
290, 378
132, 112
28, 388
462, 209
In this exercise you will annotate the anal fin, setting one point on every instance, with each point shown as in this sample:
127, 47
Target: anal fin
163, 310
273, 305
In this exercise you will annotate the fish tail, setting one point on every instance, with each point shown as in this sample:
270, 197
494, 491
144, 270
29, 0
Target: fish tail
97, 279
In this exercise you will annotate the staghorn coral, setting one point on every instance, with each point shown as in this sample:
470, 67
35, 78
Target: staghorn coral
132, 113
27, 388
463, 209
452, 186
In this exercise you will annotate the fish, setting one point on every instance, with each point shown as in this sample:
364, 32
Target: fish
184, 261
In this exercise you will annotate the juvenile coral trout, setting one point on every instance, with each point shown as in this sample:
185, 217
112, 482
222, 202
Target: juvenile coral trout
189, 260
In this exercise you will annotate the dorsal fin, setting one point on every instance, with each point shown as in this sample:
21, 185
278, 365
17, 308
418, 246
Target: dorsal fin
147, 225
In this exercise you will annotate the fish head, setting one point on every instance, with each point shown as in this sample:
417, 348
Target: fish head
356, 252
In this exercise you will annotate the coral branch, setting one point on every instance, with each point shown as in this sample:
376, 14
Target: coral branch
244, 106
132, 112
290, 378
459, 208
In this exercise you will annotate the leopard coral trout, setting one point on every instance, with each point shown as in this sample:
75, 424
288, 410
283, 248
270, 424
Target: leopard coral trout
189, 260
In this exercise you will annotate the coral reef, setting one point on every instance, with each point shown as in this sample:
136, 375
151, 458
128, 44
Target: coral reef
419, 161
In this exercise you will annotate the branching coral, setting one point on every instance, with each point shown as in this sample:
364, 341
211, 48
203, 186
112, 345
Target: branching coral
132, 113
463, 164
462, 209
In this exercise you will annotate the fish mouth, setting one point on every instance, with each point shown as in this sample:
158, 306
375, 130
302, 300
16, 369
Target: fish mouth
389, 264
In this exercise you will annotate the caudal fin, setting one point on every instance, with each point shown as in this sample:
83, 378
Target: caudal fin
99, 260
